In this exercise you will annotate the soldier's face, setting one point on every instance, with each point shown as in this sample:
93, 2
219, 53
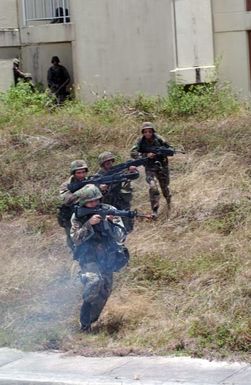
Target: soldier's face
80, 174
92, 204
107, 165
148, 133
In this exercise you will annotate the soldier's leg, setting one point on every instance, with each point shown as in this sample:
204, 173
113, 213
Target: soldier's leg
105, 292
163, 178
125, 204
154, 194
97, 289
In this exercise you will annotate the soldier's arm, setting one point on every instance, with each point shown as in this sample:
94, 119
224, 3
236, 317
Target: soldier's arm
66, 75
134, 152
80, 232
68, 198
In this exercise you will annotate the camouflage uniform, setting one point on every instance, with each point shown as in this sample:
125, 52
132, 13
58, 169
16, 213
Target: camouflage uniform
119, 194
156, 169
98, 247
68, 200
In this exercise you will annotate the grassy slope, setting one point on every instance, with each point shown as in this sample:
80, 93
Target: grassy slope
187, 289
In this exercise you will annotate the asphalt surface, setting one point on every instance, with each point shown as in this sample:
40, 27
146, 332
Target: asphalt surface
47, 368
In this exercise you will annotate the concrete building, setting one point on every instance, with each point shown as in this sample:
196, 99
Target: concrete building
128, 46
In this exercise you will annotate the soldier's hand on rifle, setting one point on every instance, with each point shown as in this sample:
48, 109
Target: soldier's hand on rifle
150, 155
132, 169
95, 219
103, 187
110, 218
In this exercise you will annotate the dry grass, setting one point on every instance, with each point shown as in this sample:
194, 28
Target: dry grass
187, 289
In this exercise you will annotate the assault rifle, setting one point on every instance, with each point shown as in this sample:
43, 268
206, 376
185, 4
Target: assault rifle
104, 179
83, 211
123, 166
163, 151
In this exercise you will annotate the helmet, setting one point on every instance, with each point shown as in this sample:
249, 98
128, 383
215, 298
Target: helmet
106, 155
78, 164
147, 125
88, 193
55, 59
16, 61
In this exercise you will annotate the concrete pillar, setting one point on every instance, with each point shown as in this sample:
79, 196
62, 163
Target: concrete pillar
231, 25
194, 41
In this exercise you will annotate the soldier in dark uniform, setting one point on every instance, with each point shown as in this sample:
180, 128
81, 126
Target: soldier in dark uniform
58, 78
156, 167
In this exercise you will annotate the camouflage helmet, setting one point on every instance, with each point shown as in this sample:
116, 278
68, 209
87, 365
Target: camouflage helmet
88, 193
147, 125
78, 164
106, 155
16, 61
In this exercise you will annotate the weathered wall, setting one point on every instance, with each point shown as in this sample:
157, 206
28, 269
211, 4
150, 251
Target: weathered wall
6, 74
8, 14
231, 23
122, 46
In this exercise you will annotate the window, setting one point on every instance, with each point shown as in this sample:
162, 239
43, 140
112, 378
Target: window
46, 11
248, 2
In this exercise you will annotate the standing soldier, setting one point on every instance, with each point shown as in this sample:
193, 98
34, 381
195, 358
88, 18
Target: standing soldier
58, 78
78, 171
118, 194
156, 168
100, 251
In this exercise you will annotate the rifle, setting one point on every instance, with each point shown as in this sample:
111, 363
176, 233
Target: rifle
123, 166
163, 151
83, 211
104, 179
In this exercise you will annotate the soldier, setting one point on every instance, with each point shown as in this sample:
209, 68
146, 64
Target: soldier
157, 166
119, 194
20, 75
100, 251
78, 171
58, 78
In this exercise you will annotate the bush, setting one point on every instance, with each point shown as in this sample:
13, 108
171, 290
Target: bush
23, 100
205, 100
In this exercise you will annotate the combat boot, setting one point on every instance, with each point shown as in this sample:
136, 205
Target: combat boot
155, 212
85, 328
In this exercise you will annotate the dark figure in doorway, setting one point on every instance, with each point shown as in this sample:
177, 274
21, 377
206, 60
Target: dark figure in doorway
58, 78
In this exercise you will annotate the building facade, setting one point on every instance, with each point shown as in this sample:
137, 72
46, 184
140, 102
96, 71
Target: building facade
128, 46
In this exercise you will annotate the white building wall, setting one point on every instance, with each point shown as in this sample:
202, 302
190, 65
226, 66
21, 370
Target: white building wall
123, 46
231, 23
8, 14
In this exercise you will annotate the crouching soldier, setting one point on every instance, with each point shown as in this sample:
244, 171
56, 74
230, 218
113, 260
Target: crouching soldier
78, 171
100, 251
156, 168
117, 194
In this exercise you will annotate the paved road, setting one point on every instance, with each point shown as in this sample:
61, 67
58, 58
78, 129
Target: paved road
19, 368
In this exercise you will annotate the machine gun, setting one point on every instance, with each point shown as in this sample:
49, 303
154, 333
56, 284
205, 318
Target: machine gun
123, 166
83, 211
104, 179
